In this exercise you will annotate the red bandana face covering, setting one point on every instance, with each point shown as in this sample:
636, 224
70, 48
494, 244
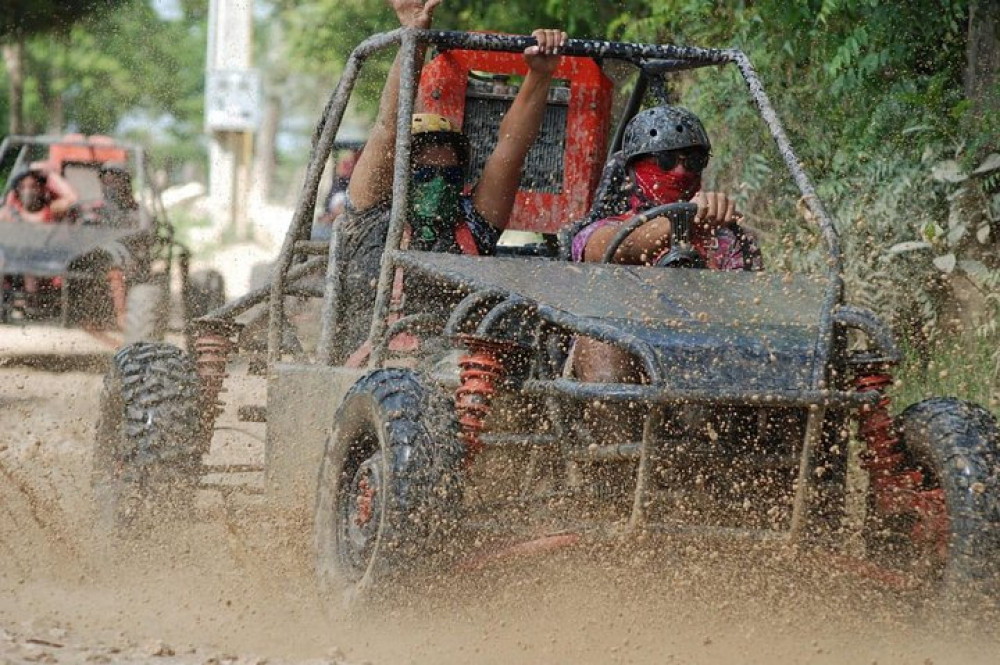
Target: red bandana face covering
658, 187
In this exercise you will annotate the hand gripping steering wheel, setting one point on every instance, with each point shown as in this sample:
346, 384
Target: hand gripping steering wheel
681, 216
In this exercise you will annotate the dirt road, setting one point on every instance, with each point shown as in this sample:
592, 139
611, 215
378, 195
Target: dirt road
235, 586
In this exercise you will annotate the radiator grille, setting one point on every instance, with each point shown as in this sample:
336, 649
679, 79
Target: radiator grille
543, 169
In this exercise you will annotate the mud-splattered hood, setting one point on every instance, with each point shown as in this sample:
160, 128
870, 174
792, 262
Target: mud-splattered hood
706, 329
49, 249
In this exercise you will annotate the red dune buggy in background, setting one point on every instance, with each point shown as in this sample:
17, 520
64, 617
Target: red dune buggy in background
89, 280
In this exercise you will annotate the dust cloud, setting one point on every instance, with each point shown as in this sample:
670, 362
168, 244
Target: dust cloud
233, 585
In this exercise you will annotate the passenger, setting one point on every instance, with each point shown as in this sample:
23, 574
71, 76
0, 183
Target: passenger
664, 151
118, 208
38, 195
336, 198
441, 217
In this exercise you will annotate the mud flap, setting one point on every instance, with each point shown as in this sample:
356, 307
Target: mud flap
301, 402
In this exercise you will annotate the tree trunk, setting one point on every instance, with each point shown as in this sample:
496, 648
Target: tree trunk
13, 57
982, 58
264, 157
57, 83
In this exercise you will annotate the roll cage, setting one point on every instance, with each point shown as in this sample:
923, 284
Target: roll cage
786, 362
653, 63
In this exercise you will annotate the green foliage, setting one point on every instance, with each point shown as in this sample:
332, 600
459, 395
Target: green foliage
112, 64
960, 370
31, 17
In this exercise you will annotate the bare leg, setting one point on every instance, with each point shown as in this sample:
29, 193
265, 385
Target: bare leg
598, 362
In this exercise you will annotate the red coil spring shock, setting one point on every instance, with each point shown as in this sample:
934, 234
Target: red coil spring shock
883, 459
898, 490
481, 370
211, 348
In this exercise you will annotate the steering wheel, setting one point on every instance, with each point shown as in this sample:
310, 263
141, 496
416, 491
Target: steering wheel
681, 215
83, 214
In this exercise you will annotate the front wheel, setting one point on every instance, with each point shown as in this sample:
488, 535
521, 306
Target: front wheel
389, 483
943, 521
149, 444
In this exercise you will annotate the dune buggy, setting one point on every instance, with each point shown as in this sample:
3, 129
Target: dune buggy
754, 384
90, 279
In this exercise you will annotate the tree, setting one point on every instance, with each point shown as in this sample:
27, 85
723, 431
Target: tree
13, 59
29, 17
982, 68
112, 65
23, 18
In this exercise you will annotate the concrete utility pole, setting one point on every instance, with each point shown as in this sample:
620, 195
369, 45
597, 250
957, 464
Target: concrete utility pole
232, 109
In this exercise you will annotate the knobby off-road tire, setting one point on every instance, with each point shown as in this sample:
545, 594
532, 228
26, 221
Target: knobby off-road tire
956, 444
149, 444
145, 313
389, 484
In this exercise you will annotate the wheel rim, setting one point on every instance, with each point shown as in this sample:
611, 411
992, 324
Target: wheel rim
360, 515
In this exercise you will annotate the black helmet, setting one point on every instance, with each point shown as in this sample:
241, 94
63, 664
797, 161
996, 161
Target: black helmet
23, 173
663, 128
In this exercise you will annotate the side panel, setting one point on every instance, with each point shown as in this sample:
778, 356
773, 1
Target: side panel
301, 402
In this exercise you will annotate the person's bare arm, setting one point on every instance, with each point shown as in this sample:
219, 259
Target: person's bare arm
641, 247
497, 188
373, 173
650, 240
63, 195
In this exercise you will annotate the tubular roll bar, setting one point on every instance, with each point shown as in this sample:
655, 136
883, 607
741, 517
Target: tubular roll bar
659, 59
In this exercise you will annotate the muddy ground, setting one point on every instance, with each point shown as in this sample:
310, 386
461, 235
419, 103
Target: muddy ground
234, 586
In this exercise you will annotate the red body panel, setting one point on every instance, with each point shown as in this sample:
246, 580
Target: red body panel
101, 149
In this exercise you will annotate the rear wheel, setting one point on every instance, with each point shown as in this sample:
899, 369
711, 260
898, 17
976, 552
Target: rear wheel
943, 525
145, 313
149, 444
389, 483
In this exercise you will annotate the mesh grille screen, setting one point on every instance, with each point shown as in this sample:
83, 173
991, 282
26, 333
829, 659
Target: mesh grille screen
543, 169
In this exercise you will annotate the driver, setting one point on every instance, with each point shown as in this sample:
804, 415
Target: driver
118, 208
38, 194
441, 217
664, 151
